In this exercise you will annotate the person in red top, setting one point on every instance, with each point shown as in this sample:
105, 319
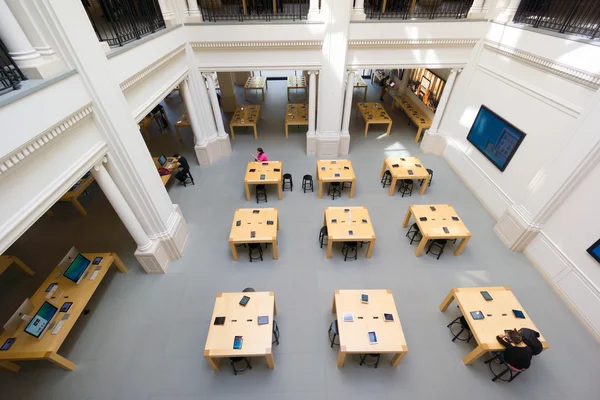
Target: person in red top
261, 155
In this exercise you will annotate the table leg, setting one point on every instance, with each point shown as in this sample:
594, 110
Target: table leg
320, 190
245, 92
11, 366
119, 264
424, 186
232, 132
365, 96
329, 247
333, 308
461, 246
370, 249
397, 358
286, 130
289, 101
213, 363
280, 190
447, 301
274, 306
421, 246
234, 252
341, 358
22, 265
418, 137
255, 133
352, 188
275, 250
475, 354
247, 191
393, 186
270, 361
406, 219
277, 221
366, 128
60, 361
79, 207
389, 129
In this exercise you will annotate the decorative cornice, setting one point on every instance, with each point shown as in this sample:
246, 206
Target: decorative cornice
271, 44
412, 43
572, 74
150, 68
26, 150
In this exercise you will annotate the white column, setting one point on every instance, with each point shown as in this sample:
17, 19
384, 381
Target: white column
477, 9
212, 92
191, 110
506, 10
439, 113
358, 14
167, 12
193, 9
312, 101
313, 10
348, 103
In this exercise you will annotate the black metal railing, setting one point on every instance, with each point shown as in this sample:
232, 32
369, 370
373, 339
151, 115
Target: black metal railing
117, 22
10, 75
580, 17
265, 10
407, 9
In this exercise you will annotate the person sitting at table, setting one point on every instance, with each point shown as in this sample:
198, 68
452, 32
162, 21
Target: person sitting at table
183, 164
261, 155
516, 354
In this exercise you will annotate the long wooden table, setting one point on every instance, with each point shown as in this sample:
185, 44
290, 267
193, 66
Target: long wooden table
245, 116
349, 219
498, 316
27, 347
374, 113
360, 83
433, 225
170, 165
256, 83
251, 221
354, 338
183, 122
399, 167
414, 113
73, 194
295, 114
7, 261
335, 171
296, 82
241, 321
256, 169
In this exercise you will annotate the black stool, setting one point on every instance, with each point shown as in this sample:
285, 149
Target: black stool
387, 178
464, 326
255, 247
248, 289
322, 235
287, 182
333, 333
430, 172
414, 233
307, 183
436, 244
275, 333
334, 190
406, 187
261, 193
363, 359
350, 247
346, 185
514, 372
237, 360
188, 179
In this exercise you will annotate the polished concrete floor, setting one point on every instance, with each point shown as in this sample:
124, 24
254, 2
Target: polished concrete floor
144, 337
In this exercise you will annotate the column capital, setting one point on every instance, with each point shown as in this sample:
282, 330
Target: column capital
100, 164
456, 70
312, 72
207, 74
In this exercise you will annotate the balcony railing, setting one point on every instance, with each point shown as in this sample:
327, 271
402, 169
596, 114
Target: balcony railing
265, 10
407, 9
580, 17
10, 74
117, 22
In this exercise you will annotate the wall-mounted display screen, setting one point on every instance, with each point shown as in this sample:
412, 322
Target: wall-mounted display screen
594, 251
427, 86
494, 137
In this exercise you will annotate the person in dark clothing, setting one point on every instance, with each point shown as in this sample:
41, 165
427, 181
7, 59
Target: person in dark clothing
516, 354
531, 339
183, 164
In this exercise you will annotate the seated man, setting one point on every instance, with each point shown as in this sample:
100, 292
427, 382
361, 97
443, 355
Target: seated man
516, 354
183, 164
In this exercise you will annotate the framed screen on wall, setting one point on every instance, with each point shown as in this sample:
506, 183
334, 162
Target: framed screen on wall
594, 251
496, 138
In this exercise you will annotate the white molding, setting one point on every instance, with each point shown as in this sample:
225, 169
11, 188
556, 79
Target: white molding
132, 80
581, 77
560, 104
151, 102
10, 160
253, 45
412, 43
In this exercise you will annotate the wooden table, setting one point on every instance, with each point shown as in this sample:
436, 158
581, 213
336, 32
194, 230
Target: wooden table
498, 317
171, 165
245, 116
143, 124
351, 220
7, 261
433, 227
256, 83
354, 338
296, 82
27, 347
360, 83
374, 113
295, 114
267, 169
77, 190
241, 321
257, 222
183, 122
327, 171
414, 113
399, 167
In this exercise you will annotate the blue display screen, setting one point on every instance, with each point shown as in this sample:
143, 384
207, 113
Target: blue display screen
41, 319
77, 268
496, 138
162, 160
594, 250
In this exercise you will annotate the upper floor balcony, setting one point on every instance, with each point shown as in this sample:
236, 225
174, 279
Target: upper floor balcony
416, 9
10, 74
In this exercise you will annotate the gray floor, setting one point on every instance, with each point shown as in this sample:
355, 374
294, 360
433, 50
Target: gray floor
145, 336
